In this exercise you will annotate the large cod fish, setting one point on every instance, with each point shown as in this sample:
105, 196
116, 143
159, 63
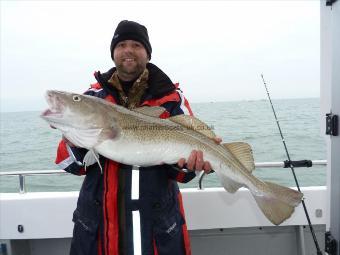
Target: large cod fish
140, 137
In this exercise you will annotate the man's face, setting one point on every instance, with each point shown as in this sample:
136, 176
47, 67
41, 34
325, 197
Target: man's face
130, 58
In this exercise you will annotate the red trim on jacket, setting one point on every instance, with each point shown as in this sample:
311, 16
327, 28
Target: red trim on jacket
96, 86
110, 207
155, 251
164, 115
62, 152
186, 104
110, 99
168, 98
180, 177
184, 227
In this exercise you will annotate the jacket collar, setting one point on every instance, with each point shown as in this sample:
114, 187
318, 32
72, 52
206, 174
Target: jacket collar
159, 84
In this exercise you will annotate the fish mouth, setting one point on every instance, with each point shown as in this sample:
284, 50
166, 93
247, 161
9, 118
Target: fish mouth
56, 106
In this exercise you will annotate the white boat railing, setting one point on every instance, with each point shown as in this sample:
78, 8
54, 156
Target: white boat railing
23, 174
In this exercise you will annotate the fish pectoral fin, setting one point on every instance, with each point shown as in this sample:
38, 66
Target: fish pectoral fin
107, 134
193, 123
90, 158
152, 111
279, 203
243, 152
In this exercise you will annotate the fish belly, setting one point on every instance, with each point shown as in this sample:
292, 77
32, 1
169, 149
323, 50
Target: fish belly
143, 154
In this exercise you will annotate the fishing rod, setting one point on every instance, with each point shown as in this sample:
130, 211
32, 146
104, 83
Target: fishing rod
293, 172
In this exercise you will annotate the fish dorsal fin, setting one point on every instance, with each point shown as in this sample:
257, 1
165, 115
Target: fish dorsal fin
193, 123
243, 152
152, 111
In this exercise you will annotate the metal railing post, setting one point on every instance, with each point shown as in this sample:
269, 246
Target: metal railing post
301, 240
22, 187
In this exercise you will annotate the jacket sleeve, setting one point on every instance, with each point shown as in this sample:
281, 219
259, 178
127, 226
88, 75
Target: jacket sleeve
70, 158
177, 107
175, 173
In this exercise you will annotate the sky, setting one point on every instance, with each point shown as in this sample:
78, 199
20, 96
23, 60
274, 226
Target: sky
215, 50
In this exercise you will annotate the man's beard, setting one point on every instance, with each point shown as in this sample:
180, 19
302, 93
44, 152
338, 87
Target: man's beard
130, 72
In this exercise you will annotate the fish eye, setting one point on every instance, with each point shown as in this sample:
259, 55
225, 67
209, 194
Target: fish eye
76, 98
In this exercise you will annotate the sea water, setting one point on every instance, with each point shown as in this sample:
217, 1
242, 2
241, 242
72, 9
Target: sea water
28, 143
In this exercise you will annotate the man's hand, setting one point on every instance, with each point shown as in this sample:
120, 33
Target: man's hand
196, 161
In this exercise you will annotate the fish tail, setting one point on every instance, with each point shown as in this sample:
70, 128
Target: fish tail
278, 202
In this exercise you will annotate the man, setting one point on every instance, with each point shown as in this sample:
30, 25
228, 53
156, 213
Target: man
126, 209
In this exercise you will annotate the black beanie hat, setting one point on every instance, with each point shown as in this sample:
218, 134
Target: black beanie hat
130, 30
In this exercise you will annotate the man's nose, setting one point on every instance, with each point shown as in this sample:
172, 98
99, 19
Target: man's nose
128, 49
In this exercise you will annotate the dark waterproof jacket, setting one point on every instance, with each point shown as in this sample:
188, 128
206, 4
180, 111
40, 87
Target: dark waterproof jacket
126, 210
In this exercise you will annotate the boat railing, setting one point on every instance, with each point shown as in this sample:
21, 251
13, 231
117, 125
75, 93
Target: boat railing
23, 174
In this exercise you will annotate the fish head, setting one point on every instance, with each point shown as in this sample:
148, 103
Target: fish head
84, 120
